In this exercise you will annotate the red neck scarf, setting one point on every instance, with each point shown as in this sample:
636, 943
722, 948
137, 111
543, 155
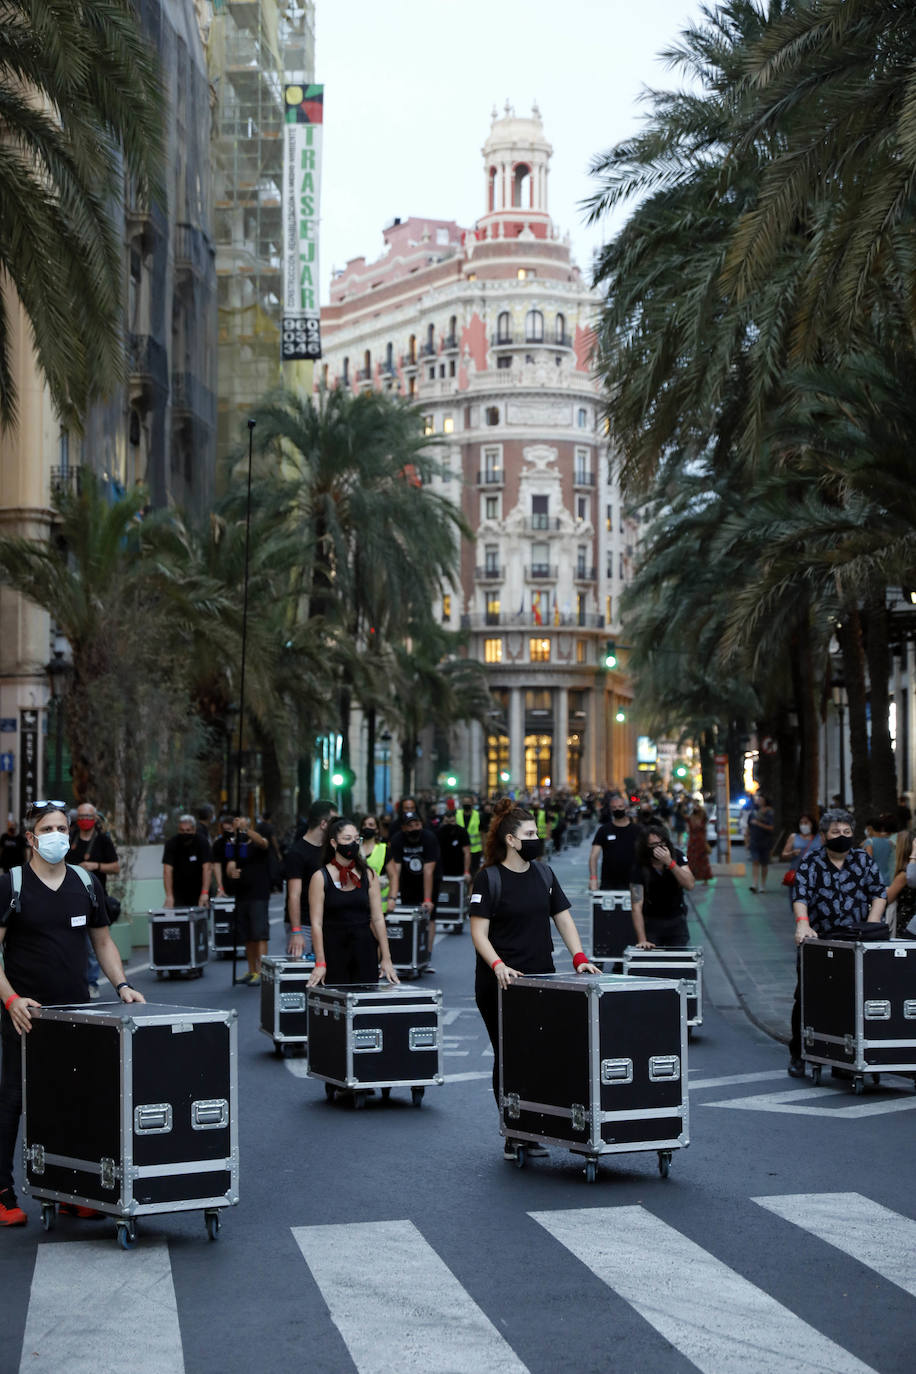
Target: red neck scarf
346, 872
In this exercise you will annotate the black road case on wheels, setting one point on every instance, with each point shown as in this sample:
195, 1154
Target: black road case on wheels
408, 940
179, 940
452, 905
594, 1063
222, 928
371, 1035
131, 1109
612, 926
284, 994
686, 964
858, 1007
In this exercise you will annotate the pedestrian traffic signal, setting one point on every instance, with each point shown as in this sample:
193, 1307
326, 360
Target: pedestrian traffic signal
621, 716
680, 771
343, 777
610, 654
451, 780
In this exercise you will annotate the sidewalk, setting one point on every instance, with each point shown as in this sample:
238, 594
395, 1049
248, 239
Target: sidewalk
751, 936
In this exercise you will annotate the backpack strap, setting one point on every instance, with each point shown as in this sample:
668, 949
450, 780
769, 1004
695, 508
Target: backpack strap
545, 873
495, 884
16, 882
87, 882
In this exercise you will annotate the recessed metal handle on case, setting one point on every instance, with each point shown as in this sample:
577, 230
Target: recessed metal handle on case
208, 1114
153, 1118
423, 1037
292, 1001
367, 1041
878, 1010
615, 1071
664, 1067
909, 1009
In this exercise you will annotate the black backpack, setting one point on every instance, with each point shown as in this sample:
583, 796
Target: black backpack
495, 882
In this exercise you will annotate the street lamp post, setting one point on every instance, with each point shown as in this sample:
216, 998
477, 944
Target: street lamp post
58, 670
385, 741
838, 691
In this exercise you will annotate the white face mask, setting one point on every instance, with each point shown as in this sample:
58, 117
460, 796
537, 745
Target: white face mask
53, 847
804, 829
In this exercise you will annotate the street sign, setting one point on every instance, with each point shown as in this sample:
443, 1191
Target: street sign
7, 725
28, 774
6, 763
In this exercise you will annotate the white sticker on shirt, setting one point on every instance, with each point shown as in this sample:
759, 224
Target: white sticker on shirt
192, 858
77, 920
476, 897
415, 865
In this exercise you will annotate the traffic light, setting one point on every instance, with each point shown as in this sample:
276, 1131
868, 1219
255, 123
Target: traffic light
610, 654
343, 777
681, 771
621, 716
451, 780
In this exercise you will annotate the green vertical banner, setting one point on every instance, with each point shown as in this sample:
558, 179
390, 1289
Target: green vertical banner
304, 117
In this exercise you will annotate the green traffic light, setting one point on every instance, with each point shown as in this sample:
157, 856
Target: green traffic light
621, 716
451, 780
337, 779
680, 771
610, 656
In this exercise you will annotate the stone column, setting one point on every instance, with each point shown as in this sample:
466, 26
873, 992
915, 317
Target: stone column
517, 737
560, 775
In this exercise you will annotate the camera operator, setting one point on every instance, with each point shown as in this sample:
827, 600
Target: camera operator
247, 853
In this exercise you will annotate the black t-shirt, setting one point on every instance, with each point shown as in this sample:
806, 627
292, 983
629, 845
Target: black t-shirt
44, 951
253, 863
99, 850
302, 859
187, 855
412, 852
520, 923
218, 852
663, 898
618, 851
12, 850
453, 840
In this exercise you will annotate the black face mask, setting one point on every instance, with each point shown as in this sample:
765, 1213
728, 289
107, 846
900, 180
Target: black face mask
840, 844
187, 840
348, 850
530, 850
619, 813
369, 834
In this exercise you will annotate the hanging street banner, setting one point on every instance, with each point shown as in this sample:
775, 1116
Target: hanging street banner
28, 754
304, 114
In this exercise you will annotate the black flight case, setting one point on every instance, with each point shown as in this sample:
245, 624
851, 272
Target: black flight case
284, 994
131, 1109
612, 927
408, 940
596, 1064
363, 1036
452, 905
686, 964
858, 1007
179, 941
222, 928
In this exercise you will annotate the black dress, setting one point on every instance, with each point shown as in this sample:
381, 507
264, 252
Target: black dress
350, 948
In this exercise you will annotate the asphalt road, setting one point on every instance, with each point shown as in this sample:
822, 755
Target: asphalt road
398, 1239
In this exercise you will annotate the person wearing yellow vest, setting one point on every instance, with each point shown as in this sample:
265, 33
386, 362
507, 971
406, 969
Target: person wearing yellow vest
469, 817
374, 850
541, 819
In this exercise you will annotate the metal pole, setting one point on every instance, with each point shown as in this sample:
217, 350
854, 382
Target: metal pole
59, 747
238, 770
842, 755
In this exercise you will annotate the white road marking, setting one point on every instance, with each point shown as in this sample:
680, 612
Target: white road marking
715, 1317
397, 1305
468, 1077
880, 1239
789, 1102
735, 1078
94, 1308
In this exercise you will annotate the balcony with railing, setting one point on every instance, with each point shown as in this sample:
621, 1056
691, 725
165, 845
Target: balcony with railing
409, 360
428, 350
541, 572
490, 572
585, 574
450, 344
583, 478
501, 340
65, 479
491, 477
543, 524
526, 620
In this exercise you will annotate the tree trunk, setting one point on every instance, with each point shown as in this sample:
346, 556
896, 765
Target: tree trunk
371, 723
345, 704
808, 729
881, 755
849, 637
708, 763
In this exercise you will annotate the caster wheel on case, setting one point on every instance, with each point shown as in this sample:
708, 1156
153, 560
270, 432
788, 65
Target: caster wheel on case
386, 1093
858, 1087
664, 1163
521, 1157
591, 1170
359, 1101
330, 1091
279, 1049
416, 1096
159, 973
212, 1223
48, 1215
875, 1078
127, 1235
816, 1074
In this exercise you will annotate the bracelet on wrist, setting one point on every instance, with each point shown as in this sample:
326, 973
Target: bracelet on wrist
495, 964
10, 1000
672, 864
579, 959
124, 985
802, 918
295, 930
320, 963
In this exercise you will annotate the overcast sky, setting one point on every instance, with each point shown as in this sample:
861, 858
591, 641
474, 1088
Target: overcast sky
409, 87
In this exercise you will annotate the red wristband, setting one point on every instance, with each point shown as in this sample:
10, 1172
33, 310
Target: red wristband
14, 998
495, 964
579, 959
672, 864
295, 930
320, 963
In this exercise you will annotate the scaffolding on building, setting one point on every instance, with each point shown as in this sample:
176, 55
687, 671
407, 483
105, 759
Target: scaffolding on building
255, 47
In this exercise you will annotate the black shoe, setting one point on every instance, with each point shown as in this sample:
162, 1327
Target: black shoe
796, 1068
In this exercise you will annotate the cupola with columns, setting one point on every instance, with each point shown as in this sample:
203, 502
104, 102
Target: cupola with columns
516, 157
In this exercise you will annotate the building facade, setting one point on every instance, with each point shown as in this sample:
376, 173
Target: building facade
489, 331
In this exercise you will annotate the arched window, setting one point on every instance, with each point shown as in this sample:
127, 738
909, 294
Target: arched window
389, 357
491, 190
412, 348
367, 365
521, 187
492, 415
430, 338
561, 328
346, 371
453, 331
503, 334
534, 326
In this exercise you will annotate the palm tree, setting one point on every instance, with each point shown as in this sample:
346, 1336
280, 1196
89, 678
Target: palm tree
80, 104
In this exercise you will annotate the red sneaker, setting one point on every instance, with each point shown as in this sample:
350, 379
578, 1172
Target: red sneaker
75, 1209
11, 1214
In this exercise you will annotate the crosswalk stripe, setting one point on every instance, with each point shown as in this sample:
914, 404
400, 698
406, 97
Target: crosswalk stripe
728, 1079
397, 1305
91, 1304
880, 1239
714, 1316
